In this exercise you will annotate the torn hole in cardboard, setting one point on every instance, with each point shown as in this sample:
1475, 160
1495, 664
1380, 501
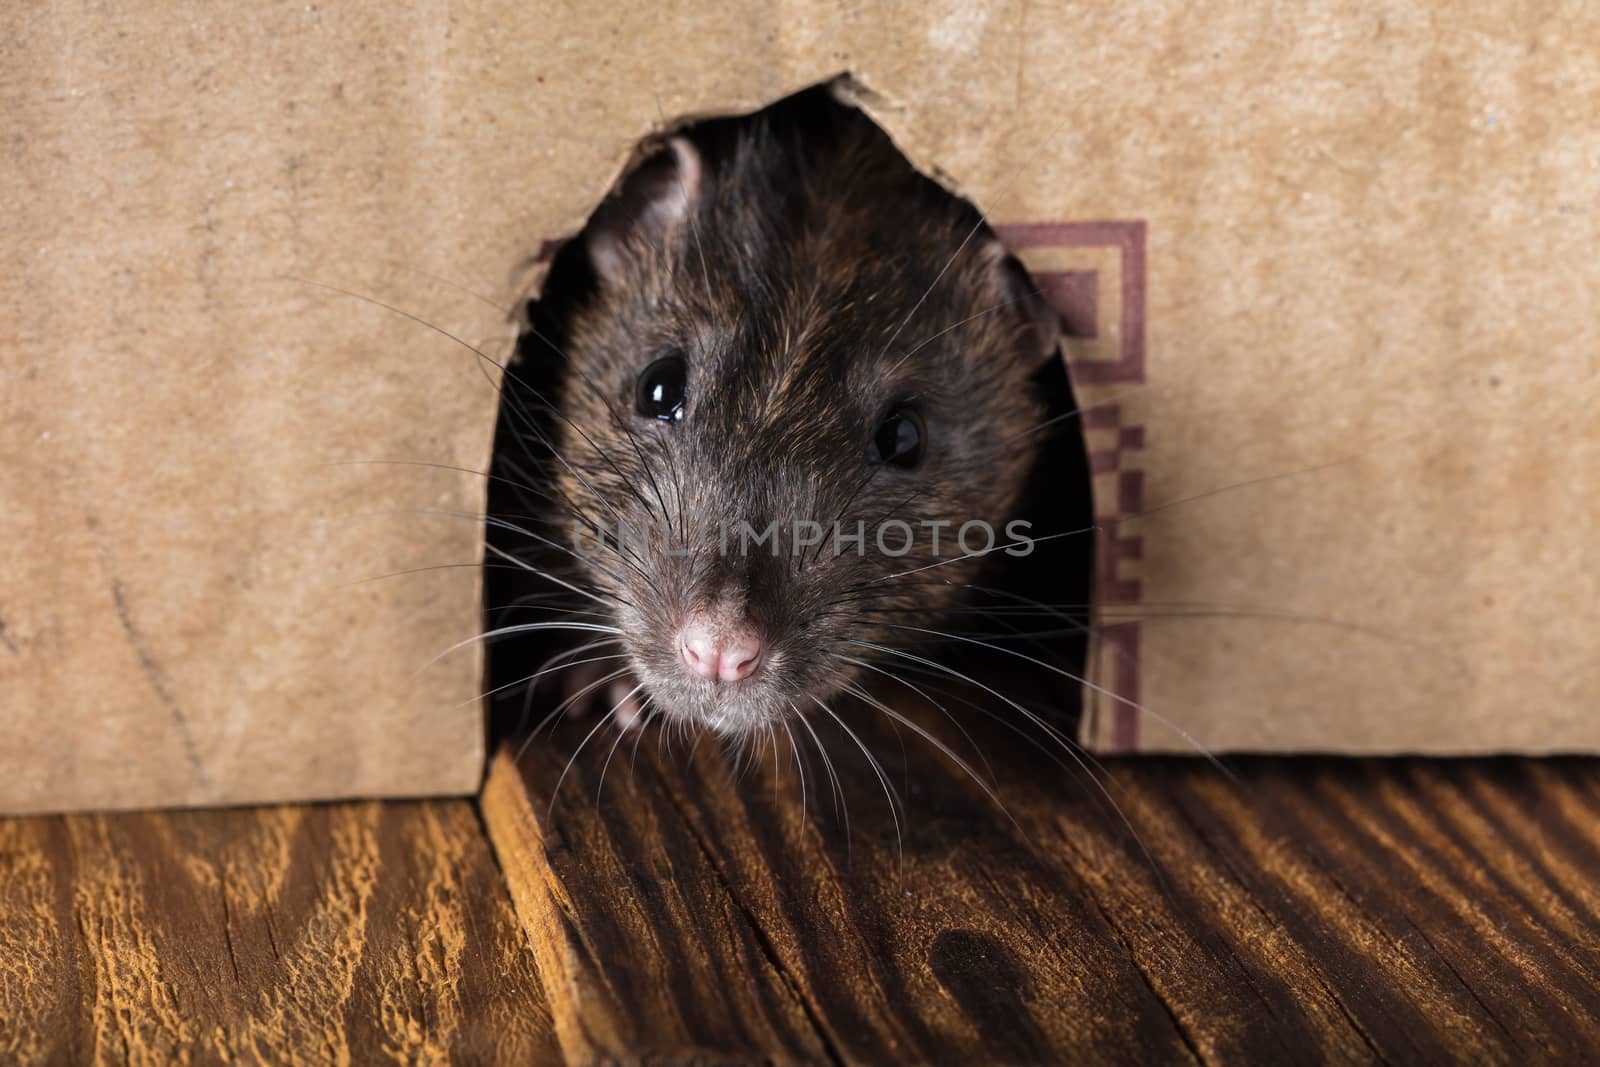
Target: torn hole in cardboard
1059, 494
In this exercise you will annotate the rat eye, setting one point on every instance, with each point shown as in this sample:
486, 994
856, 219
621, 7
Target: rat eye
662, 389
898, 439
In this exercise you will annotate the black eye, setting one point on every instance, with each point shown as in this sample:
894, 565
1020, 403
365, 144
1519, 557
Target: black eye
662, 389
898, 439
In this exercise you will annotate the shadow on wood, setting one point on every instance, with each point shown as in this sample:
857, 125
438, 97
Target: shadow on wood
1309, 911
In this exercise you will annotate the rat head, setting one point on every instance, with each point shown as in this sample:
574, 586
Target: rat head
800, 383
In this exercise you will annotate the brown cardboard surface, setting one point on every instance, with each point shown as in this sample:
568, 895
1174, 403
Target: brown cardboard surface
1364, 237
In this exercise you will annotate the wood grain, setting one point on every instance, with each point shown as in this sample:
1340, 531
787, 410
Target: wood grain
687, 910
1283, 911
347, 933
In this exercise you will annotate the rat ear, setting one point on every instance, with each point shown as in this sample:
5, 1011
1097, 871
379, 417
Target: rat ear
652, 204
1025, 300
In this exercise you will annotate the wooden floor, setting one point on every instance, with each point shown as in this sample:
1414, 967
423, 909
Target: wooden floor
1278, 911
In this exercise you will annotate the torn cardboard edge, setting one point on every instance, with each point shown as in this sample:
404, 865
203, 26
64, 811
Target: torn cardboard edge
1108, 694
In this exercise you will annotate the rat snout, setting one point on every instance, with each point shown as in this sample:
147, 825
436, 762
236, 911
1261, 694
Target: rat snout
713, 650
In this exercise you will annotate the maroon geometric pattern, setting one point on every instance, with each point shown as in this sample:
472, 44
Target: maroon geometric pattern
1119, 652
1078, 300
1119, 492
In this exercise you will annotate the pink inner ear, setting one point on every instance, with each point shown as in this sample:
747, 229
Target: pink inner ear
652, 205
687, 170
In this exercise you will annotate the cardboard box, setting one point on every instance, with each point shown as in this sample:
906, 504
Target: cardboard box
1354, 245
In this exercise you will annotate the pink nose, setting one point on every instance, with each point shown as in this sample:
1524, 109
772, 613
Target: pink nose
712, 652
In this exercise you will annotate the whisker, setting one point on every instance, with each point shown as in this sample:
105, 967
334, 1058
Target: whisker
1118, 697
1050, 731
520, 628
799, 766
550, 662
560, 709
454, 285
487, 476
555, 792
1079, 411
650, 713
915, 689
541, 672
841, 806
943, 748
883, 780
506, 372
621, 733
954, 326
355, 583
1044, 538
990, 713
498, 523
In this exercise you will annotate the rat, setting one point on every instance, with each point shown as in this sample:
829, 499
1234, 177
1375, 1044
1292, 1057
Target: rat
773, 330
